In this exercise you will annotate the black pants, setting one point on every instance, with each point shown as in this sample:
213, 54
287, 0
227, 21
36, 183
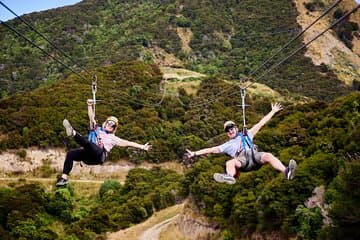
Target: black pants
90, 154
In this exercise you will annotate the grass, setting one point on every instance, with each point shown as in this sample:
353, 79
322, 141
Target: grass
176, 78
81, 188
179, 73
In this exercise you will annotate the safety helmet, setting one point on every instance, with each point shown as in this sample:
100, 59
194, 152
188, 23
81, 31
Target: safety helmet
112, 119
228, 125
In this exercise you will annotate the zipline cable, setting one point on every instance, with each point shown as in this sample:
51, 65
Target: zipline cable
305, 45
94, 82
93, 90
295, 38
124, 97
45, 52
285, 46
42, 35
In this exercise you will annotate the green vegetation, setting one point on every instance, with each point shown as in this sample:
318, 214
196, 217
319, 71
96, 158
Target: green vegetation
321, 138
346, 29
227, 44
27, 211
232, 41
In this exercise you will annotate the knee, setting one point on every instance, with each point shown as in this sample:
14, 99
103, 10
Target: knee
230, 163
267, 157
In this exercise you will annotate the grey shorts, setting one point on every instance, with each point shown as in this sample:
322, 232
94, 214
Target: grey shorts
248, 162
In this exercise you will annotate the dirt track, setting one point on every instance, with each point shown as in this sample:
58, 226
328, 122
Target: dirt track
49, 180
153, 233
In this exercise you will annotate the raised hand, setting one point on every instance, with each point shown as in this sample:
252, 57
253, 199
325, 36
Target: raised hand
146, 147
275, 107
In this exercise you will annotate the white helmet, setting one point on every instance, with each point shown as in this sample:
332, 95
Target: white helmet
229, 124
112, 119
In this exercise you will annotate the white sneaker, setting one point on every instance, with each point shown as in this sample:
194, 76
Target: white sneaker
69, 129
224, 178
62, 182
290, 170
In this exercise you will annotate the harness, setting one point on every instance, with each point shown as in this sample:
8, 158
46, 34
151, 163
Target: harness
93, 137
93, 134
245, 141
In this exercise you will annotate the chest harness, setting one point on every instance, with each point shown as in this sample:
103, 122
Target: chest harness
246, 141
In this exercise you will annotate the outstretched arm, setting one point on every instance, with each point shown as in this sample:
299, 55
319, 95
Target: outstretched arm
91, 114
274, 109
203, 151
126, 143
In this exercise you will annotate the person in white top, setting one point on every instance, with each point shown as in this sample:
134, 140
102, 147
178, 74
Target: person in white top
96, 147
245, 156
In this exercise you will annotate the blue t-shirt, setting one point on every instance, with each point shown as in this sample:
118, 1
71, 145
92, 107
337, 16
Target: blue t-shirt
234, 145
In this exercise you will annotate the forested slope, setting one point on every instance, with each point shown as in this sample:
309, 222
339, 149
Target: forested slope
230, 38
322, 137
116, 40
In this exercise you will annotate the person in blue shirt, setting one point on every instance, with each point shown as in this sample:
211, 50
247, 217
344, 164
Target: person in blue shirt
245, 156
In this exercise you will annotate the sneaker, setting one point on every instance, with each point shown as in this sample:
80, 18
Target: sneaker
290, 170
62, 182
69, 129
224, 178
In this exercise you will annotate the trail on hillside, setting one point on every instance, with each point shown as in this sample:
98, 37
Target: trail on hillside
48, 180
151, 228
153, 233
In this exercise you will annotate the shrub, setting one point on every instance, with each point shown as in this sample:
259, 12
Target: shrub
61, 204
109, 186
183, 22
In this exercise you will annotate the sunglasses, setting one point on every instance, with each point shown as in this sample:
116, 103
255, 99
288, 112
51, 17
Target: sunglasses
111, 123
229, 127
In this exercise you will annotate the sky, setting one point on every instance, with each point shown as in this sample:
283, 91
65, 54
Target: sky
21, 7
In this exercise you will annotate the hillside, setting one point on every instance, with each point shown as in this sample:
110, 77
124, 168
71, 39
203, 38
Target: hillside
329, 49
232, 41
169, 70
322, 137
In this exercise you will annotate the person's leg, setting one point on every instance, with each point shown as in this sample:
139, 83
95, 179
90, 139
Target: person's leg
90, 154
230, 172
231, 166
82, 141
273, 161
78, 154
289, 171
70, 132
94, 150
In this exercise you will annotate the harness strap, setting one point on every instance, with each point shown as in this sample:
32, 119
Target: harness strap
93, 133
246, 140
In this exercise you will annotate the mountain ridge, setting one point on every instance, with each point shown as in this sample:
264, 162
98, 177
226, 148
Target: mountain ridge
223, 41
318, 127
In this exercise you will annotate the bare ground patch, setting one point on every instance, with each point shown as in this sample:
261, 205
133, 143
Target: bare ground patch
328, 49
